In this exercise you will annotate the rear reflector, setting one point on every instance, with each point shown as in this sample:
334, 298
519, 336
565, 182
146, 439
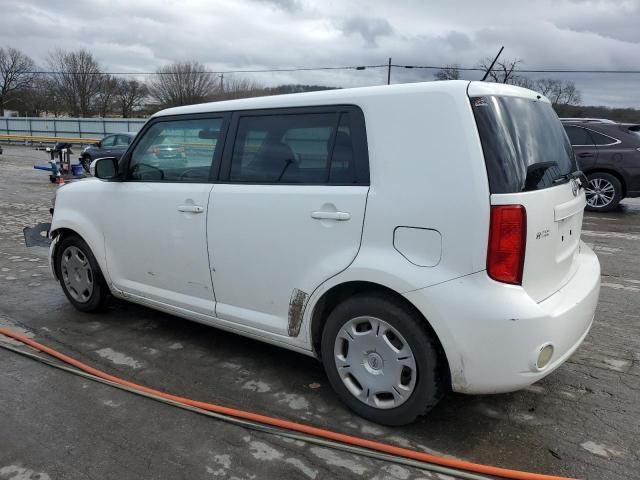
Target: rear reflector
507, 243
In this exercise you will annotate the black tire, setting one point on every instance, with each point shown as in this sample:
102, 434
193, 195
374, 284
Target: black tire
96, 300
430, 384
604, 179
86, 162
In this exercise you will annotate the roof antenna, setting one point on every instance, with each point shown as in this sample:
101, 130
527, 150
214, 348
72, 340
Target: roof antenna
492, 64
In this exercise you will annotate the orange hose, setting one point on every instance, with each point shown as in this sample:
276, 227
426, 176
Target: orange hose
297, 427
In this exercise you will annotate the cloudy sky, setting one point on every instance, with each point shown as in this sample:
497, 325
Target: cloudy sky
141, 35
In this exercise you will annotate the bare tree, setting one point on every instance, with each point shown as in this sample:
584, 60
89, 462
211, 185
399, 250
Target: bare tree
449, 72
236, 87
503, 71
129, 95
105, 99
77, 79
560, 92
182, 84
16, 74
523, 82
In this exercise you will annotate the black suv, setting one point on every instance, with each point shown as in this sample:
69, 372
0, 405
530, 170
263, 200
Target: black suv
109, 146
609, 154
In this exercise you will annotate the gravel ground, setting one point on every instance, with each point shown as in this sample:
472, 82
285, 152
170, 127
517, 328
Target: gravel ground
583, 420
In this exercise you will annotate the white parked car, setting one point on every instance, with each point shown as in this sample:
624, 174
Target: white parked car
416, 238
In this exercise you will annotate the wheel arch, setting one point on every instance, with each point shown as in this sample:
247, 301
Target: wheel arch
94, 240
341, 291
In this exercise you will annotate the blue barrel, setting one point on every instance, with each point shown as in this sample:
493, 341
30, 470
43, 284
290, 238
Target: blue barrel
76, 170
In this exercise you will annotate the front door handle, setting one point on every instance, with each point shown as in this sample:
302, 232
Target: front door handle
191, 208
340, 216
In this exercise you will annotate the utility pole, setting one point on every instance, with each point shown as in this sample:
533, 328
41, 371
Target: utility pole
222, 83
389, 72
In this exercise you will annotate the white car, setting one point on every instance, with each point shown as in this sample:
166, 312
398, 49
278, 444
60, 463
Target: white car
417, 238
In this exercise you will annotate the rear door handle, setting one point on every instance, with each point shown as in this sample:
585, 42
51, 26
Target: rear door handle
340, 216
191, 208
585, 155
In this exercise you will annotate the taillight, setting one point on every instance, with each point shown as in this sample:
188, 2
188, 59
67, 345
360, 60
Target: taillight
507, 243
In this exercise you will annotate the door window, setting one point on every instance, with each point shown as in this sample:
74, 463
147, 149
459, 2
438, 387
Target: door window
578, 136
108, 141
308, 148
123, 140
176, 151
602, 140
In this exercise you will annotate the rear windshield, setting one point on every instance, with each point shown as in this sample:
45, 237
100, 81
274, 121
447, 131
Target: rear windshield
525, 146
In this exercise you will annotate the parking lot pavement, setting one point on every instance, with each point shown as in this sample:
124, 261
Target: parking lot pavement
583, 420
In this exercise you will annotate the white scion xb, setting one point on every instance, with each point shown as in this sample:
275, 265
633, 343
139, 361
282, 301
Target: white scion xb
416, 238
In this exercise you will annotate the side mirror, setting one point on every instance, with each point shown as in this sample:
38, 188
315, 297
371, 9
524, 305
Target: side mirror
105, 168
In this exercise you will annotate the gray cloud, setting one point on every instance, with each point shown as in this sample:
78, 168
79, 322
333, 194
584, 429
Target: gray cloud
369, 28
247, 34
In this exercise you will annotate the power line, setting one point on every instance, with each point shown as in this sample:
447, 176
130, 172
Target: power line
350, 67
214, 72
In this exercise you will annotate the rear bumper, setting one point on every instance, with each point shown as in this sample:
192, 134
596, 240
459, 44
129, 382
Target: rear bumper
492, 333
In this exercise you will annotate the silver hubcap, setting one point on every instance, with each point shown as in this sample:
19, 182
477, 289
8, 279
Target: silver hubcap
77, 274
599, 192
375, 362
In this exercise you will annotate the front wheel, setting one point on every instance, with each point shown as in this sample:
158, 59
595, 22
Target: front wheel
604, 192
381, 359
80, 275
85, 161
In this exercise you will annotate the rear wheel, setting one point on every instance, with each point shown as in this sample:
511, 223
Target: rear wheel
381, 360
80, 275
604, 192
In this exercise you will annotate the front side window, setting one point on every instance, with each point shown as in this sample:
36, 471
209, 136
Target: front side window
123, 140
108, 141
176, 151
525, 147
308, 148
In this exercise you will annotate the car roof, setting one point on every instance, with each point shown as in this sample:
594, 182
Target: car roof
128, 134
357, 96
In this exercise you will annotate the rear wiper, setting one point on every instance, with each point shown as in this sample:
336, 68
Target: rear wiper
535, 172
577, 175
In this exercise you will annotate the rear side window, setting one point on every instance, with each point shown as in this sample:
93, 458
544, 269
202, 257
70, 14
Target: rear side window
525, 146
578, 136
304, 148
601, 139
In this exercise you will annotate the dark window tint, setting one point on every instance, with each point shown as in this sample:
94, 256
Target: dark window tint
524, 144
123, 140
176, 151
108, 141
343, 169
601, 139
578, 136
294, 148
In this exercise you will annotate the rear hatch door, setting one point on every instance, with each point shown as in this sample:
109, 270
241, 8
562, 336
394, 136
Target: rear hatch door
530, 162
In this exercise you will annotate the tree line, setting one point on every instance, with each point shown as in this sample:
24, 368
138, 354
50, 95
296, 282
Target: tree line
73, 83
559, 92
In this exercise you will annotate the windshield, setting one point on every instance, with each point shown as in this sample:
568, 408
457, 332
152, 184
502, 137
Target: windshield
525, 147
